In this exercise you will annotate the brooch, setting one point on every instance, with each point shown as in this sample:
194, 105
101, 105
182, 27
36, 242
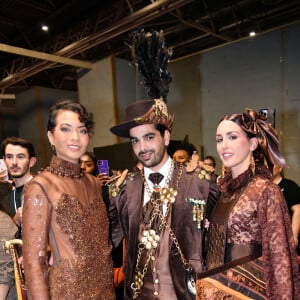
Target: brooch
198, 210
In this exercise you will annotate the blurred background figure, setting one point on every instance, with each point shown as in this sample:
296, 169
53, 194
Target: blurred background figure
209, 164
88, 163
184, 151
291, 193
181, 155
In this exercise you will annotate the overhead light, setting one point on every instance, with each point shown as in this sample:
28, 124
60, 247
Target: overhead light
252, 33
45, 28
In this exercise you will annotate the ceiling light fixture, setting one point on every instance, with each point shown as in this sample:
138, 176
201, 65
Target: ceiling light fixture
45, 28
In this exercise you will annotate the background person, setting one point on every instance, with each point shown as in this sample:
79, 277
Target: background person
184, 151
253, 255
19, 156
63, 207
291, 193
88, 163
209, 164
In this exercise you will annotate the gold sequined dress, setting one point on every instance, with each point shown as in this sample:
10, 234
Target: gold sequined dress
63, 208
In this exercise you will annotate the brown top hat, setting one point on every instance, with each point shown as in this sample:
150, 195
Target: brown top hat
144, 112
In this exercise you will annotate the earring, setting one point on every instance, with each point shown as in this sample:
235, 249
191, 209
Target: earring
223, 171
53, 147
252, 164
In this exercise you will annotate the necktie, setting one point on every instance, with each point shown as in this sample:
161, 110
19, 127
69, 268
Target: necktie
155, 178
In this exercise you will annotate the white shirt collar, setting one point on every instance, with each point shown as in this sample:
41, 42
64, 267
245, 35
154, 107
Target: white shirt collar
164, 170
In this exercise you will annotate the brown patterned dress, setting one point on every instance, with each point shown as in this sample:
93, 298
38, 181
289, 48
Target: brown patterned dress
257, 218
63, 209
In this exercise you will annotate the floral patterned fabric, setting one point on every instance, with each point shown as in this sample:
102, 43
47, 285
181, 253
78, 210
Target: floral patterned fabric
260, 216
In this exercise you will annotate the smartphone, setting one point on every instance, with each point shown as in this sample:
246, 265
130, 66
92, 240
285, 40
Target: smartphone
103, 167
3, 170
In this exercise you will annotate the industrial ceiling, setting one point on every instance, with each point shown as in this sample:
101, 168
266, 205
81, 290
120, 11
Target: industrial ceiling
82, 32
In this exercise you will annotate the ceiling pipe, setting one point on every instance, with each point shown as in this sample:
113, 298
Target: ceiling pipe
134, 20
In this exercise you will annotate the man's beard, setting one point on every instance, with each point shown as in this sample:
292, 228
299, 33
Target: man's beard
12, 175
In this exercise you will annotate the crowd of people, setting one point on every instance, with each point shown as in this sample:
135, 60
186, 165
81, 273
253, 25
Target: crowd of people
184, 232
244, 247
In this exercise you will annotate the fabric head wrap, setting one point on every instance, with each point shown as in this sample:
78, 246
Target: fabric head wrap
255, 125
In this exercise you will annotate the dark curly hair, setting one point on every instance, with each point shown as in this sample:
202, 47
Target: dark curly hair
68, 104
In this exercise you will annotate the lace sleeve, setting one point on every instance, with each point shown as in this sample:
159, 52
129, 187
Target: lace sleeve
279, 254
36, 219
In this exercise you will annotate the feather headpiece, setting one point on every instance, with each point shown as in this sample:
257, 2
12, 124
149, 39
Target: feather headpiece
151, 56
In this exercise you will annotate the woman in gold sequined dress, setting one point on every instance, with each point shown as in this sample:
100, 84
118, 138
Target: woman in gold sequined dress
63, 208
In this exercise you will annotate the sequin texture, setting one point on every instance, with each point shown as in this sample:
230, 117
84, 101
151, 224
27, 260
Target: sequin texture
74, 209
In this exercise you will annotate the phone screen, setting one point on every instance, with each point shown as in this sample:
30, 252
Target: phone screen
103, 167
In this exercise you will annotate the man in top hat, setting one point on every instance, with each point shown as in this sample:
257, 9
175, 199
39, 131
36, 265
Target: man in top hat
158, 210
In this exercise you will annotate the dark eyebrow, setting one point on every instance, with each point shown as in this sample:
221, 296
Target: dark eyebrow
227, 133
149, 133
145, 135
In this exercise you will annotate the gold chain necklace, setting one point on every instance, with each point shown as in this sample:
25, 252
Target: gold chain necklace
150, 237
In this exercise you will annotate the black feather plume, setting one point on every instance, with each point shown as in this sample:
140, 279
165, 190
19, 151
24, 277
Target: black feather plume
151, 56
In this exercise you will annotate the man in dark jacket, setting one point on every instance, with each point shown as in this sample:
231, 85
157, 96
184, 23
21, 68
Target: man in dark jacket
161, 220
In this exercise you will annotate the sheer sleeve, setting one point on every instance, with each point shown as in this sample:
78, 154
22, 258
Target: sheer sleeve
282, 277
36, 220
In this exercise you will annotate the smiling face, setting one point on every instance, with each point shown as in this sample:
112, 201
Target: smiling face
149, 145
70, 136
234, 147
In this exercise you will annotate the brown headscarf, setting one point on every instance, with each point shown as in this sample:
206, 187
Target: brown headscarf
255, 125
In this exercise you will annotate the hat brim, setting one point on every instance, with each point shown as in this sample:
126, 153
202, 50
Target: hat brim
122, 129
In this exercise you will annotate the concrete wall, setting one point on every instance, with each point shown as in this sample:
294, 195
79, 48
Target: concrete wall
261, 72
258, 73
32, 111
99, 90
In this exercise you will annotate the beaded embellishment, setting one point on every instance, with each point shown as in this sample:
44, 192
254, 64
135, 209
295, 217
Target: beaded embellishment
198, 211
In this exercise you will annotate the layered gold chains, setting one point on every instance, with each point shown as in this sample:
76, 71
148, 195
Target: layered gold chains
149, 240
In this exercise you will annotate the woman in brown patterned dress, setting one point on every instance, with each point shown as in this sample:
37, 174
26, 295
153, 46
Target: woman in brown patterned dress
251, 252
63, 208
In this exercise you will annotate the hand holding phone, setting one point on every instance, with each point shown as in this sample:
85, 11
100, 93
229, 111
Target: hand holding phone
103, 167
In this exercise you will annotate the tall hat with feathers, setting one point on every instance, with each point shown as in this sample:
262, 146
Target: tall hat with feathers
151, 56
